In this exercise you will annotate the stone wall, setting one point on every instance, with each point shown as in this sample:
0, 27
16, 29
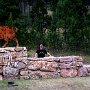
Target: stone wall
14, 64
11, 59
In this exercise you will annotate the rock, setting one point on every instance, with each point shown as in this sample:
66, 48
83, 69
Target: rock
13, 54
88, 68
33, 59
48, 59
19, 59
25, 61
77, 58
24, 53
24, 73
65, 66
66, 59
50, 75
1, 69
2, 50
21, 54
49, 66
18, 54
82, 71
18, 49
21, 65
68, 73
57, 59
1, 54
1, 77
77, 64
9, 49
35, 65
24, 77
11, 71
10, 77
35, 74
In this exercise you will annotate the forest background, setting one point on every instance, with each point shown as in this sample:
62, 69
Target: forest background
61, 25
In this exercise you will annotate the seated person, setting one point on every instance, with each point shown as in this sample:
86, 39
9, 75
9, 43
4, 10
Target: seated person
40, 53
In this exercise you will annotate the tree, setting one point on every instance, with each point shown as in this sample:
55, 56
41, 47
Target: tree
40, 21
72, 17
53, 4
11, 15
7, 7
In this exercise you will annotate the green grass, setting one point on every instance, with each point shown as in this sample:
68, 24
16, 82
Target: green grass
76, 83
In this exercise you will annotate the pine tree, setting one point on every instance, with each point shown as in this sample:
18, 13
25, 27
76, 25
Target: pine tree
71, 15
7, 7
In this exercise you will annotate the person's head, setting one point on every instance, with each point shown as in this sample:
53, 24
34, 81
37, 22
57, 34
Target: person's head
41, 46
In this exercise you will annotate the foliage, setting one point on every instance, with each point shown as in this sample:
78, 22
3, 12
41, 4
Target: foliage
39, 22
72, 16
20, 34
53, 4
66, 28
11, 16
7, 7
53, 40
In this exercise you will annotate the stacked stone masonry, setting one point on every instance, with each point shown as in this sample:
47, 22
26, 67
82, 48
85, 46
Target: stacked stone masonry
15, 64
